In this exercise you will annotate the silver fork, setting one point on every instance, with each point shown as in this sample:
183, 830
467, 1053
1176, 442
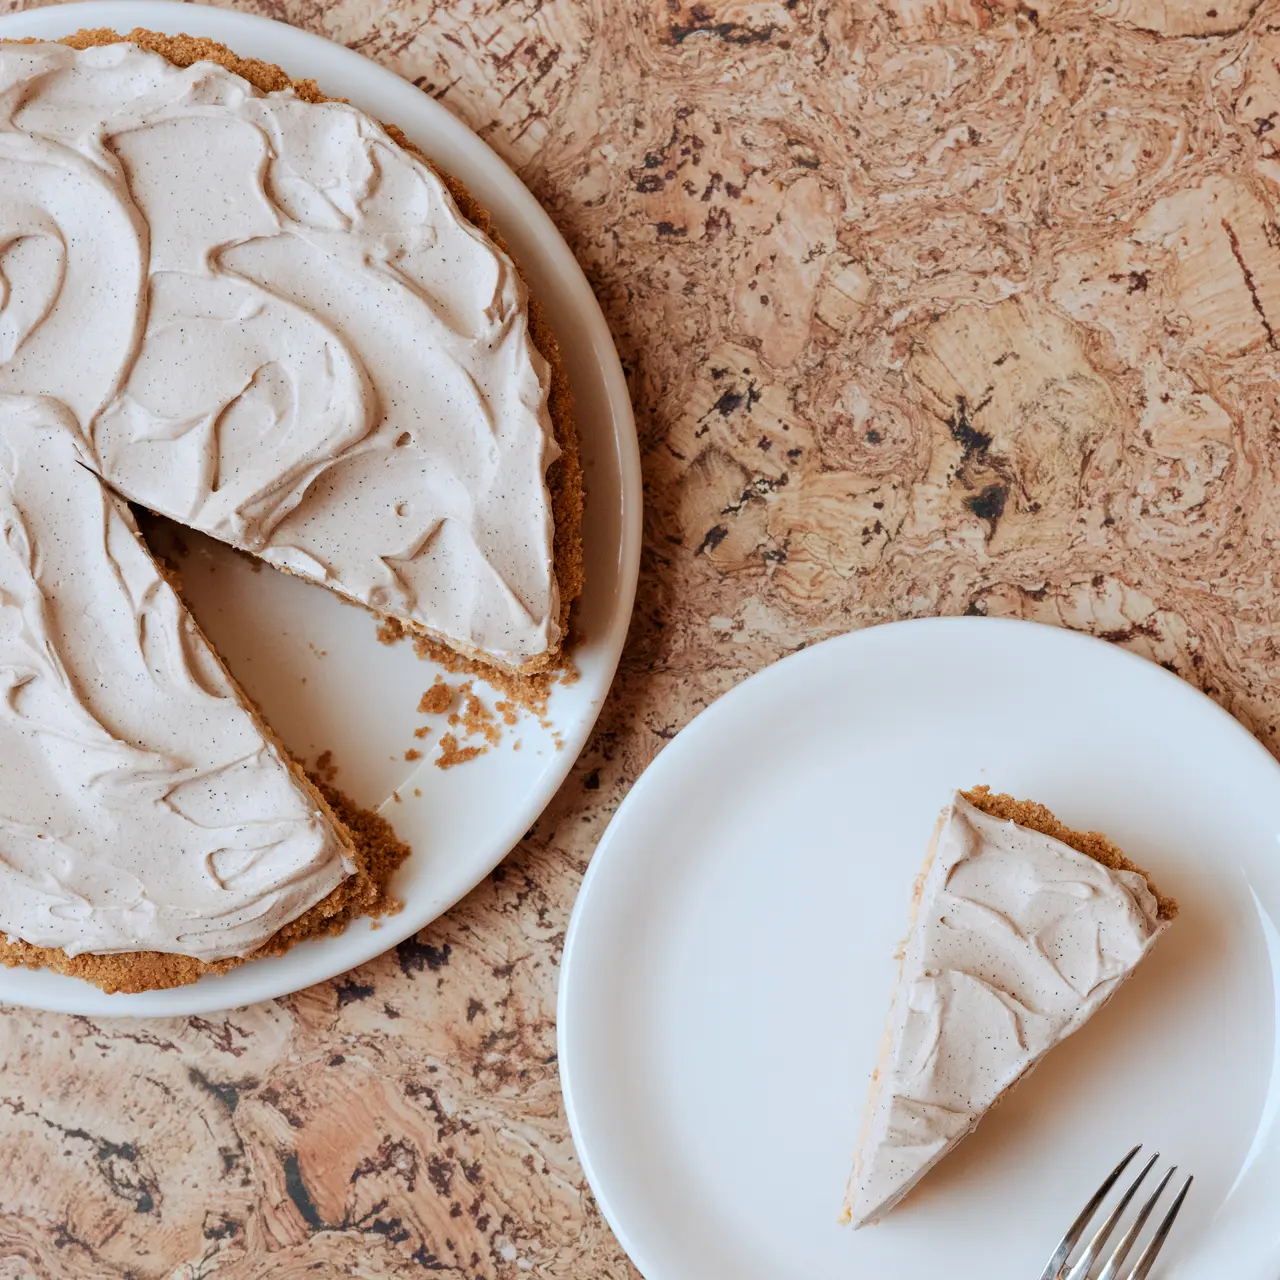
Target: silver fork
1056, 1267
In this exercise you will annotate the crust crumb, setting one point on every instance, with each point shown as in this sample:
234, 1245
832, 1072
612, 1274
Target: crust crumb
452, 754
478, 721
437, 700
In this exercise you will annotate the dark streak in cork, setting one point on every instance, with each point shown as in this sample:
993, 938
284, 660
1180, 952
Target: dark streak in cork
1248, 280
414, 956
298, 1193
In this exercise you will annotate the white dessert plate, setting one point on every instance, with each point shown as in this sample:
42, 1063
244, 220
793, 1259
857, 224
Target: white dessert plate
314, 665
730, 960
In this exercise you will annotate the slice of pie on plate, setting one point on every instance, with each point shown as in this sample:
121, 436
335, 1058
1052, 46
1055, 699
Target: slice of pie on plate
1022, 930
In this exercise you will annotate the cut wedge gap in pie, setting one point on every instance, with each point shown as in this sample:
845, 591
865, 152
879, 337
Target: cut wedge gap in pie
1022, 929
259, 313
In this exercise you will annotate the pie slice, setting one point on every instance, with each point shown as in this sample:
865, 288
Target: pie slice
1022, 930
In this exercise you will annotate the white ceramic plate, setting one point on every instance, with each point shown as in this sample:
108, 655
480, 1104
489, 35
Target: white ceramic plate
359, 698
730, 960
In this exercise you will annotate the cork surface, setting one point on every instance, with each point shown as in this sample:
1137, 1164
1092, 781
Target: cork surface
927, 307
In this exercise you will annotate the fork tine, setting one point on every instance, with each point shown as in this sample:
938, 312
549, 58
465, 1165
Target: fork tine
1143, 1266
1053, 1268
1082, 1268
1122, 1250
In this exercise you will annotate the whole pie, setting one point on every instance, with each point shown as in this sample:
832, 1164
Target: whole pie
260, 313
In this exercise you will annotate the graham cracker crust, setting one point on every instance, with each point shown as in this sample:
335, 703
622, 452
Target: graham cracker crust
372, 842
1093, 844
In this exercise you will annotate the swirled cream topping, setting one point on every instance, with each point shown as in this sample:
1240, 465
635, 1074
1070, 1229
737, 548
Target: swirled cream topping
262, 318
141, 806
272, 324
1018, 940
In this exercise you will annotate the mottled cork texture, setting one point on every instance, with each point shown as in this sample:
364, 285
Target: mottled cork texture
927, 307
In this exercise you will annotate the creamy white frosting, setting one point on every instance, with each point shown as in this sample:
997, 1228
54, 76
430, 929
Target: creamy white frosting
262, 318
271, 323
1017, 941
141, 807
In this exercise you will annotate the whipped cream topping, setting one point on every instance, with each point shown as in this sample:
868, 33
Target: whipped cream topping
1018, 940
141, 807
272, 324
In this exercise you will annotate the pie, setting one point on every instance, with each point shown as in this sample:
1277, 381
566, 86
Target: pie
260, 313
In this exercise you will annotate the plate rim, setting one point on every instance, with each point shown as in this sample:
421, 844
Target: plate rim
604, 857
483, 170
